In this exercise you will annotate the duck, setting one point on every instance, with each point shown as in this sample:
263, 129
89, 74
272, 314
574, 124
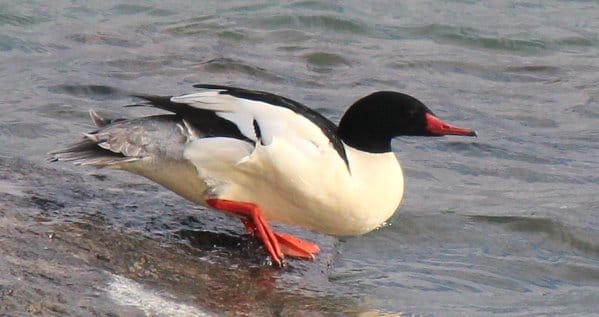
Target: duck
266, 158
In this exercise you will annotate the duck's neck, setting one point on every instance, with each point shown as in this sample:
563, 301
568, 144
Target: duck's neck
361, 132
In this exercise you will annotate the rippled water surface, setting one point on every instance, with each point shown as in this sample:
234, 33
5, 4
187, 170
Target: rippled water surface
503, 224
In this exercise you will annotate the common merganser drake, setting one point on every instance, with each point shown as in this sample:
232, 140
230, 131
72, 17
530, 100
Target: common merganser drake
264, 157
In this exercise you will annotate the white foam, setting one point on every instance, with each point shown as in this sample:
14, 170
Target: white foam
11, 189
126, 292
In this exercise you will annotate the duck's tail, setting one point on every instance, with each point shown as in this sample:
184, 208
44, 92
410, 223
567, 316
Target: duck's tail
94, 149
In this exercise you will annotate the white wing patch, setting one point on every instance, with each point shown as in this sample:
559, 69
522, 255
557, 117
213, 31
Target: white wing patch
216, 158
209, 100
273, 121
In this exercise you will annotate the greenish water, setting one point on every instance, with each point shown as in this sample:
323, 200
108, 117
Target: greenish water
505, 224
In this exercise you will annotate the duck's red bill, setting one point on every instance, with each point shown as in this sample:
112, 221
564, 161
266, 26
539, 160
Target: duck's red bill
435, 126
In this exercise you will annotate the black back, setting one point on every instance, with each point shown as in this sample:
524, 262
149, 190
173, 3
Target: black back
328, 128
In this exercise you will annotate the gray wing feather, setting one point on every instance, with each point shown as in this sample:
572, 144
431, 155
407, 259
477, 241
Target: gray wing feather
120, 141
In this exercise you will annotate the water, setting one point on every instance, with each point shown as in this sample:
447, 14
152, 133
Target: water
504, 224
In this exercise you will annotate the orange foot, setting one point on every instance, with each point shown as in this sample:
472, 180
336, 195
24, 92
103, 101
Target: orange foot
277, 244
296, 247
290, 245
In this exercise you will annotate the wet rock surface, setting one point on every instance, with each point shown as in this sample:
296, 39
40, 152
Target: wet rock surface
69, 249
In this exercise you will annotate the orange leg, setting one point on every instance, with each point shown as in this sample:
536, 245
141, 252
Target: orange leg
277, 244
252, 213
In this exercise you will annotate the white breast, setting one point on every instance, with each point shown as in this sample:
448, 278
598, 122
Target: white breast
315, 190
